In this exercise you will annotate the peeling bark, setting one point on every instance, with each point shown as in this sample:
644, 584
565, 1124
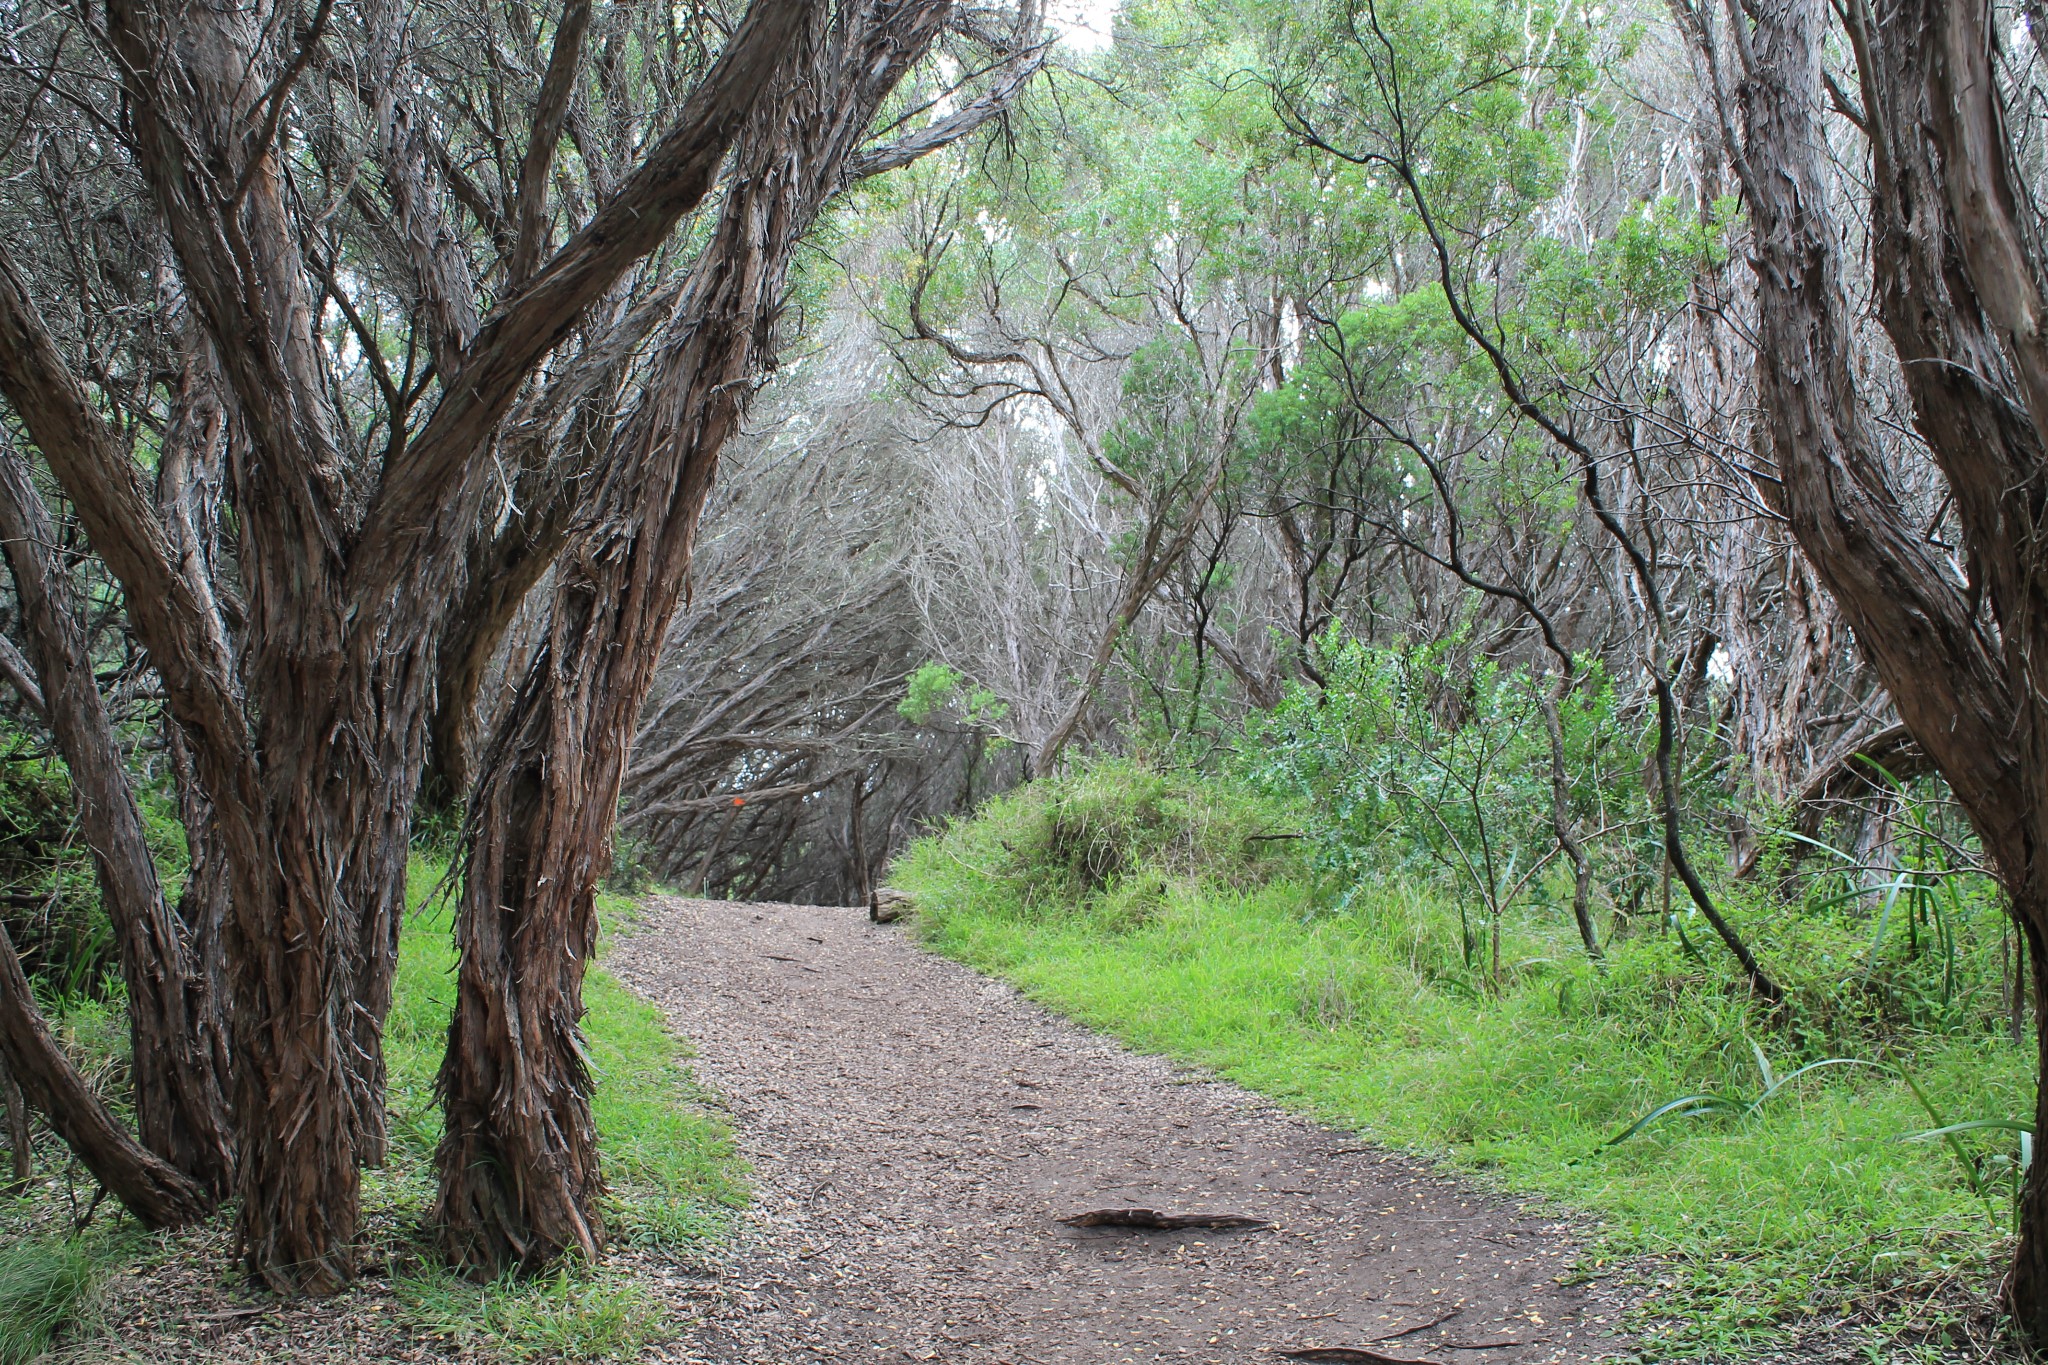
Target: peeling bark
180, 1094
518, 1160
1960, 296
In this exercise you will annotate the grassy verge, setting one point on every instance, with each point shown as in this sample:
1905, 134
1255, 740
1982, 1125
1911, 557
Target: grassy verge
674, 1177
1146, 907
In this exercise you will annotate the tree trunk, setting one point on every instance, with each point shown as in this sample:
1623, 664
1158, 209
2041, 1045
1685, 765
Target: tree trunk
152, 1189
1561, 822
518, 1159
1960, 297
2026, 1287
180, 1101
20, 1137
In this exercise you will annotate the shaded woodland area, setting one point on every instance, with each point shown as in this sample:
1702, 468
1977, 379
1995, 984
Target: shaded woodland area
1626, 425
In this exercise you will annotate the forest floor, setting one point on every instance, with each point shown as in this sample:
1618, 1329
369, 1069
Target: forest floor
918, 1132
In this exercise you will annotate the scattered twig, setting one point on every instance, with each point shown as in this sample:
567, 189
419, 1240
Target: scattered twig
1436, 1321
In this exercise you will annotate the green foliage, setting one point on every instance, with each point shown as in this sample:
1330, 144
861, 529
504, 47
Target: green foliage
936, 692
46, 1284
1413, 761
49, 901
1361, 1010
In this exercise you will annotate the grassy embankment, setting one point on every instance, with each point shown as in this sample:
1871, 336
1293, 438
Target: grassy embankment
1149, 907
673, 1173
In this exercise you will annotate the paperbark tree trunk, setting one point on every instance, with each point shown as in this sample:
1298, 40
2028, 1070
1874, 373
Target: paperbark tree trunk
20, 1135
151, 1188
1960, 295
518, 1160
180, 1096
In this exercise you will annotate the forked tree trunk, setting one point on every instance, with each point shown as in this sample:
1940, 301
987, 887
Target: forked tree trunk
308, 745
307, 735
518, 1159
1960, 296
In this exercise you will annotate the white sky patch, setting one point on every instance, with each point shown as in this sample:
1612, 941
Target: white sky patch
994, 230
1083, 25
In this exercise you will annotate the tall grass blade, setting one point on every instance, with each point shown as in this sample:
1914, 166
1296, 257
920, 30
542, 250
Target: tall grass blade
1763, 1068
1686, 1106
1946, 1132
1790, 1077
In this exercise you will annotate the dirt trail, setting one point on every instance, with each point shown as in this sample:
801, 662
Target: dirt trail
917, 1131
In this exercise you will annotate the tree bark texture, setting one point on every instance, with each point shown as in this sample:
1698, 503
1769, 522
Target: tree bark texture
151, 1188
518, 1160
173, 1019
21, 1155
1959, 293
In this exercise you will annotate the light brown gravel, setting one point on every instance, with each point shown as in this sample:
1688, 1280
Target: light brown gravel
917, 1131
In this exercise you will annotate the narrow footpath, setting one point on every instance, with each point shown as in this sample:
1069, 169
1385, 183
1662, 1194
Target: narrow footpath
918, 1131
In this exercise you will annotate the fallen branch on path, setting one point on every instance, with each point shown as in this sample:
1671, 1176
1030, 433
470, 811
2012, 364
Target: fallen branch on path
1436, 1321
1164, 1222
1352, 1355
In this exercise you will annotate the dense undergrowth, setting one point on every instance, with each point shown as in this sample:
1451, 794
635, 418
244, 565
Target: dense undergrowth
674, 1180
1189, 915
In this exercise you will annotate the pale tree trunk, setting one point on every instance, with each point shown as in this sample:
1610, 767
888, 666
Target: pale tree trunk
518, 1159
1163, 548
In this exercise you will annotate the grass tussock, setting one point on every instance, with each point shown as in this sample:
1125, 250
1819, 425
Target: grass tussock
46, 1288
1099, 897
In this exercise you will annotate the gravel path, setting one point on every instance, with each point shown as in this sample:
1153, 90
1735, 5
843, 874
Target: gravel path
917, 1130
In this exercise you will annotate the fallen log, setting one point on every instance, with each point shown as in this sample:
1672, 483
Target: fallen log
888, 905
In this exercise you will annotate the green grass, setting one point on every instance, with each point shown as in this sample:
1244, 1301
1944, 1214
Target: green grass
569, 1316
46, 1287
1368, 1019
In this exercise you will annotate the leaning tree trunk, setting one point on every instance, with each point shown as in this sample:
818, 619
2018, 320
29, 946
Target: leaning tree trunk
1960, 296
151, 1188
180, 1097
518, 1158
